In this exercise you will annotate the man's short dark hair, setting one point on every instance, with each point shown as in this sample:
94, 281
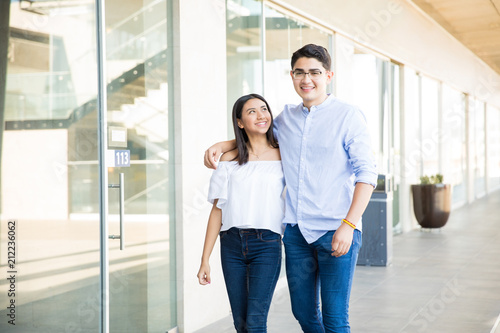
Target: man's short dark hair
313, 51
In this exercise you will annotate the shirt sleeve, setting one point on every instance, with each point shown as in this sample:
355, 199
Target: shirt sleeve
276, 122
359, 150
218, 186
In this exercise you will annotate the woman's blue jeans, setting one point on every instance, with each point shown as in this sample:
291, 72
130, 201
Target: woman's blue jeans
312, 271
251, 263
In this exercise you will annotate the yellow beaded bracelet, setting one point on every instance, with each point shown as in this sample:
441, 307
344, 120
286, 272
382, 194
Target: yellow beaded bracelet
349, 223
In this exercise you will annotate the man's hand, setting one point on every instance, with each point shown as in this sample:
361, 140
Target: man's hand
212, 155
342, 240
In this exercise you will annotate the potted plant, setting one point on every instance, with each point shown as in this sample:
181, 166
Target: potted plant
431, 201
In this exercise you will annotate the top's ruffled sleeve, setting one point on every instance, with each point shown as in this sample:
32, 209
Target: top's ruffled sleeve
218, 185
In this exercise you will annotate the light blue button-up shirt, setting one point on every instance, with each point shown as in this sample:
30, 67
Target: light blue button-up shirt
324, 152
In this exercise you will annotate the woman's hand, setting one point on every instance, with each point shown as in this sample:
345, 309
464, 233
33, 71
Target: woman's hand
204, 274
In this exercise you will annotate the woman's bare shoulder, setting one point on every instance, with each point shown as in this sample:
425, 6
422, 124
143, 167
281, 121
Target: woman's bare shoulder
230, 155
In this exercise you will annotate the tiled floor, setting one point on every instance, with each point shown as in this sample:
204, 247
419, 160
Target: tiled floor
444, 281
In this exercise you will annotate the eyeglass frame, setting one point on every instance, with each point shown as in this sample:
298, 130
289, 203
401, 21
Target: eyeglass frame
306, 73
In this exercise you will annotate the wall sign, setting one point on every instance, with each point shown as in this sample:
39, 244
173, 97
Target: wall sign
118, 158
117, 136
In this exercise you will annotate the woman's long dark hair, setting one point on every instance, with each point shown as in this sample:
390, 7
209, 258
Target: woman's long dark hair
240, 134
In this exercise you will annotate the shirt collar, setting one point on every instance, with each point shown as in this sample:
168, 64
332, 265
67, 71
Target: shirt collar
326, 103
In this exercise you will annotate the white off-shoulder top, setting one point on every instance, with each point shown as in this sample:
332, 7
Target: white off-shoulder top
250, 195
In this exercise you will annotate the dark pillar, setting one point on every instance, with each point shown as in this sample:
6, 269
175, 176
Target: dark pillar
4, 47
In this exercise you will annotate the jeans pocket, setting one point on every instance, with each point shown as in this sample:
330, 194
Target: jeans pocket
269, 236
222, 234
357, 238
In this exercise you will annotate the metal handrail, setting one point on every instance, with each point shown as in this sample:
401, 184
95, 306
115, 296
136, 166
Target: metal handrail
132, 16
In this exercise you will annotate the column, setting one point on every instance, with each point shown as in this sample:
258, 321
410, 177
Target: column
4, 47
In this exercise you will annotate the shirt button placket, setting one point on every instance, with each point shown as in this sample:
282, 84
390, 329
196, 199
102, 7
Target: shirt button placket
302, 163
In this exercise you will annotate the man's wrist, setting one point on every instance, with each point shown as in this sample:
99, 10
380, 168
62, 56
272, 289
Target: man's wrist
349, 223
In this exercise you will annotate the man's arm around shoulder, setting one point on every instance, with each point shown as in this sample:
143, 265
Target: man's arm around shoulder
213, 153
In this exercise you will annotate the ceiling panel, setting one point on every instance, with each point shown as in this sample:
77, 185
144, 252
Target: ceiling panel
475, 23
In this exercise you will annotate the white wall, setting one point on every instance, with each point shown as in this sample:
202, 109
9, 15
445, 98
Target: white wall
200, 120
39, 190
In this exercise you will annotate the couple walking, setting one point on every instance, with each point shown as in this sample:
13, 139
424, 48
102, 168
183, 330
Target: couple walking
325, 159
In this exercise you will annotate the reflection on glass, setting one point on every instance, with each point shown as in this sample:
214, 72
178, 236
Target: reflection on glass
51, 174
395, 151
244, 51
285, 35
138, 57
413, 160
493, 130
479, 157
454, 143
430, 126
50, 73
368, 90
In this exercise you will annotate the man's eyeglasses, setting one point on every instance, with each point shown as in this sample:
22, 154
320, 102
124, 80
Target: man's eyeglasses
299, 75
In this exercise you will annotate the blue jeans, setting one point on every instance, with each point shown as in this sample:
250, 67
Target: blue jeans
312, 271
251, 263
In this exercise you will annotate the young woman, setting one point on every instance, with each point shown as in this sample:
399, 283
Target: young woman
248, 208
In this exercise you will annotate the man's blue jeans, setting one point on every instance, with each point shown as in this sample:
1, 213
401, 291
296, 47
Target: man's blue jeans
251, 263
311, 270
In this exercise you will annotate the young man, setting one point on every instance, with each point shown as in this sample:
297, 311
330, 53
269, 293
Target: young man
330, 175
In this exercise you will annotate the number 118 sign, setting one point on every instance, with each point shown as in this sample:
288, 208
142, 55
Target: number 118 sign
118, 158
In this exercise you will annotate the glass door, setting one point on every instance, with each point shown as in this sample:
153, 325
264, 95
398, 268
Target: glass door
141, 246
49, 222
50, 209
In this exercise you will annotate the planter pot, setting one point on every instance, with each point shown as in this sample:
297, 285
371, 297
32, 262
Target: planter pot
431, 204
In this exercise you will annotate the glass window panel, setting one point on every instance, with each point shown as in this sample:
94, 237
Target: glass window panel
50, 73
478, 146
143, 295
53, 83
395, 154
430, 125
366, 86
285, 35
471, 139
51, 174
493, 144
244, 51
413, 159
454, 142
